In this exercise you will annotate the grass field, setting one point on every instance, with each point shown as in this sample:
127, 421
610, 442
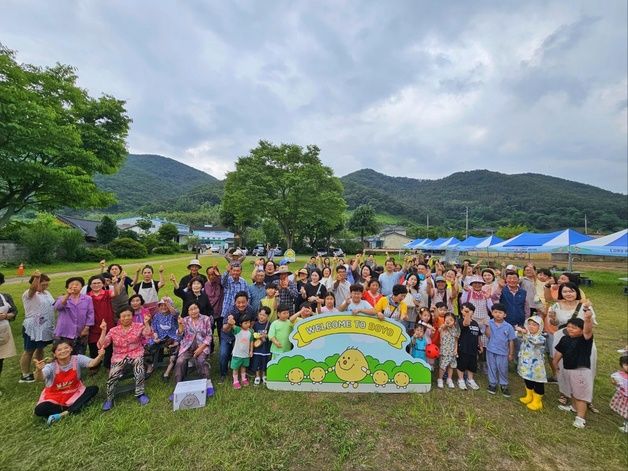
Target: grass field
259, 429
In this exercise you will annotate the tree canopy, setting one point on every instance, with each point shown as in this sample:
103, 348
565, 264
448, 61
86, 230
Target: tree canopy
54, 138
285, 183
107, 230
363, 221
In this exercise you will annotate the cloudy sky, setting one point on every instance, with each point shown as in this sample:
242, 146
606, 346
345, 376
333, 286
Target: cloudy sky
409, 88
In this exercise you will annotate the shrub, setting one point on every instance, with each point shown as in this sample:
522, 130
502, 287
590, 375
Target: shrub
151, 241
41, 240
127, 248
128, 234
71, 245
165, 249
349, 246
97, 254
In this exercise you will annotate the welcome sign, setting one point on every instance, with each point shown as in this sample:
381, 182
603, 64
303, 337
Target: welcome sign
344, 352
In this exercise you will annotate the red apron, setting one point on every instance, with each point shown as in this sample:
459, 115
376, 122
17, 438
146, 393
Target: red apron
66, 386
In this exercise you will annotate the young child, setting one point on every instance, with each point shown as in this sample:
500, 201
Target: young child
438, 319
128, 339
500, 349
419, 342
279, 333
271, 300
303, 313
469, 345
449, 334
619, 402
574, 348
355, 304
164, 324
261, 345
330, 303
531, 364
242, 348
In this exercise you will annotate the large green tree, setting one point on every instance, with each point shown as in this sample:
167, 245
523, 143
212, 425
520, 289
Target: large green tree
363, 221
54, 138
107, 230
286, 183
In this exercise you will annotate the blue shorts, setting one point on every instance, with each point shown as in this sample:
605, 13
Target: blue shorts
259, 362
32, 345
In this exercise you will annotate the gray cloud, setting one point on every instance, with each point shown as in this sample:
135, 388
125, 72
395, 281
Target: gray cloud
407, 88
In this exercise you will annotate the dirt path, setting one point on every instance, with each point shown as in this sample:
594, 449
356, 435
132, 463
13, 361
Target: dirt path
16, 279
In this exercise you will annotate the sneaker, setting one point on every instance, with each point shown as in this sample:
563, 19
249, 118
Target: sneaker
492, 389
462, 385
472, 384
165, 378
236, 385
143, 399
210, 392
624, 428
568, 408
245, 381
264, 379
54, 418
107, 406
29, 378
592, 408
439, 383
579, 422
257, 381
505, 391
450, 383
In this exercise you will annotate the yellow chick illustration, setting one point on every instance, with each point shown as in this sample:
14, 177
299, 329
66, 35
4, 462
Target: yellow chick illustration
295, 376
401, 379
351, 367
380, 378
317, 375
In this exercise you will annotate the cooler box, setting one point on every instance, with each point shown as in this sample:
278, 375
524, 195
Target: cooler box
190, 394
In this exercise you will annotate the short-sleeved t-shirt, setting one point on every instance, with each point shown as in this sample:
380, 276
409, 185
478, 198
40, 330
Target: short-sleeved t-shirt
501, 335
397, 312
280, 330
357, 307
242, 342
48, 371
576, 352
469, 337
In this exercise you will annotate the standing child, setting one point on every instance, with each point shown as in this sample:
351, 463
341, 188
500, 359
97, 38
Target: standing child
261, 345
419, 342
280, 330
469, 345
242, 348
372, 294
438, 319
330, 303
574, 348
619, 402
449, 334
531, 364
271, 300
500, 349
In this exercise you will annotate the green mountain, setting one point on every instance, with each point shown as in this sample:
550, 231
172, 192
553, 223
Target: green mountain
154, 183
494, 199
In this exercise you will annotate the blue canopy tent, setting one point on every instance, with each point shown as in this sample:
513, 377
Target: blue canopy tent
612, 245
410, 244
424, 243
445, 243
528, 242
436, 242
469, 243
488, 241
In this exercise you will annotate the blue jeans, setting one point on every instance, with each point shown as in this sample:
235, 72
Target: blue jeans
226, 347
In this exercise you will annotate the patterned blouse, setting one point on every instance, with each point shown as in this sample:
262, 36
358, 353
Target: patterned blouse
127, 343
531, 364
196, 330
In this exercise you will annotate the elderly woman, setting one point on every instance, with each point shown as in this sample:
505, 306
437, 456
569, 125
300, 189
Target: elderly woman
38, 326
570, 305
75, 315
128, 339
102, 297
195, 332
215, 292
192, 294
8, 311
64, 392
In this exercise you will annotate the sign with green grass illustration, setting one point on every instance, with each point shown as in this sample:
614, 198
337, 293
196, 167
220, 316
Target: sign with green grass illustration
344, 352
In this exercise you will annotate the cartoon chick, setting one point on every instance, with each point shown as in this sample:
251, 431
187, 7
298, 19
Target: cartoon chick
401, 379
351, 367
380, 378
317, 375
295, 376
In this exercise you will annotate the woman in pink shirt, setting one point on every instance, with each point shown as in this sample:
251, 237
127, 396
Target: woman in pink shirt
128, 339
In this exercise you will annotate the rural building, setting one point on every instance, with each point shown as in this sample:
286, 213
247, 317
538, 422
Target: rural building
391, 237
130, 224
86, 226
214, 236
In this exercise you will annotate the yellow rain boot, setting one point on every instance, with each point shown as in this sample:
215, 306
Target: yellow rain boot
536, 403
527, 399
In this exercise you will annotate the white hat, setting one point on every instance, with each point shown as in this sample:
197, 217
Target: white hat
194, 262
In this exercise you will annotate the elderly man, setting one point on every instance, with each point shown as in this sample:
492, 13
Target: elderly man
194, 266
257, 290
287, 292
232, 283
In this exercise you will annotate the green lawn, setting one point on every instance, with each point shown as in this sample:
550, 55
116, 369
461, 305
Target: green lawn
260, 429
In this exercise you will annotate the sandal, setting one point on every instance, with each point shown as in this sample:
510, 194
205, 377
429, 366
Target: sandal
563, 399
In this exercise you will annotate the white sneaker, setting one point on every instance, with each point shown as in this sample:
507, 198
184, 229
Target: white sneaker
264, 379
450, 383
472, 384
462, 385
567, 408
624, 428
579, 422
257, 381
439, 383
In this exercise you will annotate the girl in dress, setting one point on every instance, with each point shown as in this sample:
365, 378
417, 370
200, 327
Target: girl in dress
619, 402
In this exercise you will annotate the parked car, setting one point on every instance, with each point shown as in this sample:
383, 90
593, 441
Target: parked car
337, 253
321, 252
214, 248
258, 250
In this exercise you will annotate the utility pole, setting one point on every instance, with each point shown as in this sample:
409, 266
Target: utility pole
466, 226
586, 230
428, 222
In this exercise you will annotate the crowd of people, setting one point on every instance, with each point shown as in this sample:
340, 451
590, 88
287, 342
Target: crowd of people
462, 318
